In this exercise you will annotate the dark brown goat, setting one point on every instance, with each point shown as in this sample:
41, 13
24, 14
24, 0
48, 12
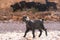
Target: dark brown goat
32, 25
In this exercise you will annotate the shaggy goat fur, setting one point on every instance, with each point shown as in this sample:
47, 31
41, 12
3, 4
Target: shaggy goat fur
32, 25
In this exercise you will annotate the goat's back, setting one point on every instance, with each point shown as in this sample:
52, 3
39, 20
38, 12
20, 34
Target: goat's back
38, 24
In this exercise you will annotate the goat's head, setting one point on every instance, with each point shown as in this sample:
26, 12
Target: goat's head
25, 18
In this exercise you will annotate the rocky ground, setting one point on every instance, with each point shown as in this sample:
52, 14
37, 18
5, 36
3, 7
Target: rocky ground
15, 31
52, 35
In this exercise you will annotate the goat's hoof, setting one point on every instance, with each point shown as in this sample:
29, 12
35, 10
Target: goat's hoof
33, 37
39, 35
23, 36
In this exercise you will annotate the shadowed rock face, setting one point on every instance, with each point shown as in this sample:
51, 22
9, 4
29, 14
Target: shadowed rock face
36, 5
4, 4
51, 4
16, 7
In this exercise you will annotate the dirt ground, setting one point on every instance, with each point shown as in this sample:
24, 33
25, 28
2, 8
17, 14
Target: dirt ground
15, 31
16, 26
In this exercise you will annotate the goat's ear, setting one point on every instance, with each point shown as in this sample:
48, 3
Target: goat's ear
41, 19
27, 18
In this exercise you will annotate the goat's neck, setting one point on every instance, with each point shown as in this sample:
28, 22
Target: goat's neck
26, 21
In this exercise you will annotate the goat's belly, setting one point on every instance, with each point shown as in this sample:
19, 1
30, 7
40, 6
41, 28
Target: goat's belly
37, 27
30, 28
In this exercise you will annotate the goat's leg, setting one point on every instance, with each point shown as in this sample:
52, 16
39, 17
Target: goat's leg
33, 32
27, 30
43, 28
45, 31
40, 32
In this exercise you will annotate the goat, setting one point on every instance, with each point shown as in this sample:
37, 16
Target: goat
51, 4
32, 25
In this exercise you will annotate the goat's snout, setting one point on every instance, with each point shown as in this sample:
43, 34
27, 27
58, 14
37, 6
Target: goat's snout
25, 18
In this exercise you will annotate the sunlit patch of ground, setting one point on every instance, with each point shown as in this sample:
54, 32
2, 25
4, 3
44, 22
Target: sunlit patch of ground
52, 35
15, 31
